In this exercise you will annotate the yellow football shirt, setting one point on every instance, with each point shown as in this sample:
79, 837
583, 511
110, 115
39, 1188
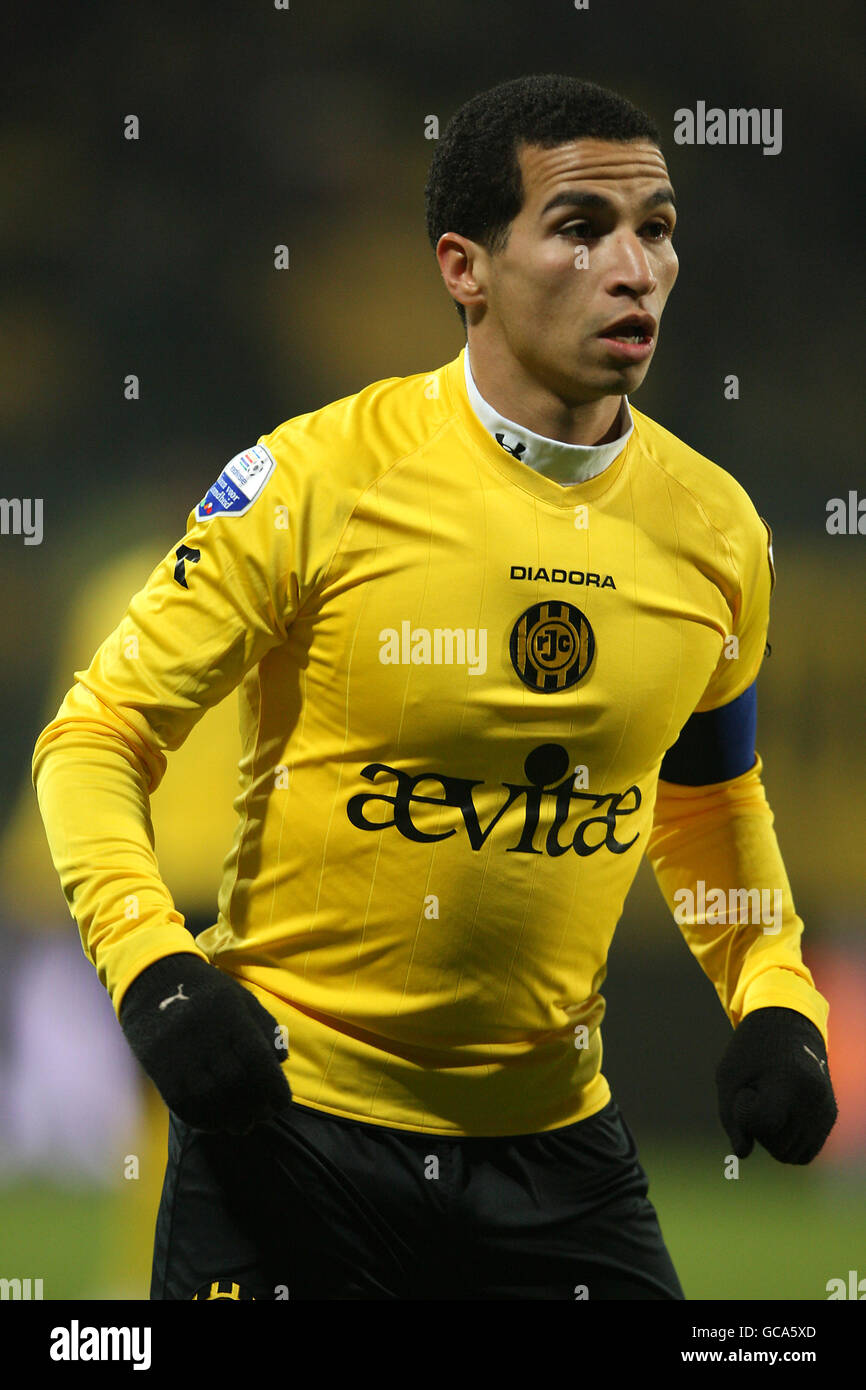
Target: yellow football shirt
457, 681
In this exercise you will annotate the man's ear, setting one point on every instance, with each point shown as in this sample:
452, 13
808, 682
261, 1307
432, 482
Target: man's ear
462, 263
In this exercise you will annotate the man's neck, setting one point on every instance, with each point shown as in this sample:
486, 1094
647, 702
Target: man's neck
563, 463
520, 398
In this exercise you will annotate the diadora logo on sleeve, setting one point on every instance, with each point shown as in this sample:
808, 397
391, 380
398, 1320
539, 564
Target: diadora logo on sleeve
239, 484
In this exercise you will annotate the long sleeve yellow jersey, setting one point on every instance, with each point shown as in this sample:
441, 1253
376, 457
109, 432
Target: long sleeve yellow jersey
457, 682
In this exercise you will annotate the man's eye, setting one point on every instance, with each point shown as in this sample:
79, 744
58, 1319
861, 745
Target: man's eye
657, 230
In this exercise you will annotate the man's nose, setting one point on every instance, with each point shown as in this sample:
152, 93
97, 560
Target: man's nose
631, 267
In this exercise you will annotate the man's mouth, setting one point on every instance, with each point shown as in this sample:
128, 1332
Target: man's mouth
631, 338
633, 328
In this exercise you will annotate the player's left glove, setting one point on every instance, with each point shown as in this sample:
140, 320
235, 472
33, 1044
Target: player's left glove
774, 1086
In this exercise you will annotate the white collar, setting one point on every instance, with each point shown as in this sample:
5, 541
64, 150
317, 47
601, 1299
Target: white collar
562, 463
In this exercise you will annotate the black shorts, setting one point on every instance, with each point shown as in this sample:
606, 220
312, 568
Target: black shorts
315, 1206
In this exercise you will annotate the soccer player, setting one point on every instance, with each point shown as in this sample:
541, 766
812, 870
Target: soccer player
496, 635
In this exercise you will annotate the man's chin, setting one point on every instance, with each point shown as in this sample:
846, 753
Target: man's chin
583, 382
625, 378
595, 385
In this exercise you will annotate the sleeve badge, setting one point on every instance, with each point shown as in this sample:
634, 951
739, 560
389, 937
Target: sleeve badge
239, 484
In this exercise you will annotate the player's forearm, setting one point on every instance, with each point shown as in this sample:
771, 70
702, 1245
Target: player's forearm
716, 859
92, 784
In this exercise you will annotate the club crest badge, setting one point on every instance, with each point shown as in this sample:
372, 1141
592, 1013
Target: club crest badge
552, 646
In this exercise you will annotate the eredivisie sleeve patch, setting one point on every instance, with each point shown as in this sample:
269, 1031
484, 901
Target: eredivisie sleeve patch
239, 484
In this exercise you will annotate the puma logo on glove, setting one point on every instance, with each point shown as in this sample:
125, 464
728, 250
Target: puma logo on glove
821, 1063
171, 998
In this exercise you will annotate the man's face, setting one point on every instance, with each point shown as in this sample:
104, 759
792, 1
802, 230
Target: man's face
591, 246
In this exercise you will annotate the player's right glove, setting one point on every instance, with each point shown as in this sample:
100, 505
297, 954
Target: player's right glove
207, 1044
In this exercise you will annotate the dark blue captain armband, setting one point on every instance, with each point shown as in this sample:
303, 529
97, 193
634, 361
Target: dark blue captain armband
715, 745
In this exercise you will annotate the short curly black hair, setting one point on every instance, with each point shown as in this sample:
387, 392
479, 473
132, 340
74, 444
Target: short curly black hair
474, 185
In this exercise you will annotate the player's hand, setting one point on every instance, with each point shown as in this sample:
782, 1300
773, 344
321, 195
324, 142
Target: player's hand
210, 1048
774, 1086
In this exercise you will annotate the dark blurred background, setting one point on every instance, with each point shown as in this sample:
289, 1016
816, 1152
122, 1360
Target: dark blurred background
154, 257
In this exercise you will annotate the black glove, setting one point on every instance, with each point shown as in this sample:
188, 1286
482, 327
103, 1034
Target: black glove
774, 1086
210, 1048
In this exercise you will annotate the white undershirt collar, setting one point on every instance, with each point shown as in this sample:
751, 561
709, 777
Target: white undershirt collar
562, 463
